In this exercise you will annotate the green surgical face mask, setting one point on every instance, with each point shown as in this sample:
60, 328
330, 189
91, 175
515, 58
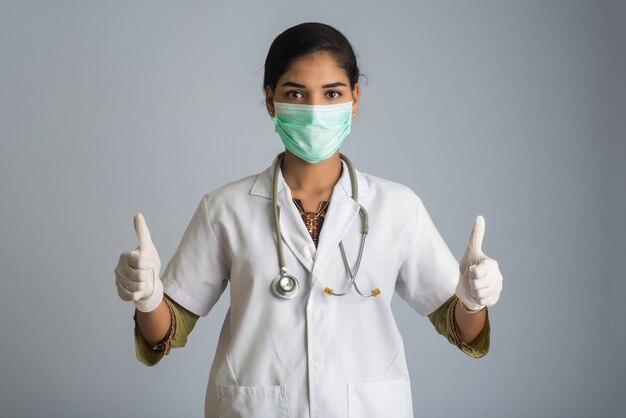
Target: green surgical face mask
312, 132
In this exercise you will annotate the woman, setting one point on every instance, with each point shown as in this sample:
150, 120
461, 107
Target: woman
310, 341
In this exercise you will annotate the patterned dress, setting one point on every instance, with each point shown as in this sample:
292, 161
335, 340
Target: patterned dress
313, 221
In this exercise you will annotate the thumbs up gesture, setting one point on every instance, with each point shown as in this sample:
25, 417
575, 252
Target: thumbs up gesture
137, 272
480, 280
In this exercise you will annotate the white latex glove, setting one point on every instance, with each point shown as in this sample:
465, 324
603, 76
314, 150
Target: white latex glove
137, 272
480, 280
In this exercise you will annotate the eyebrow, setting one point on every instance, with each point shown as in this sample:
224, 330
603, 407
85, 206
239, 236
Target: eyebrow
302, 86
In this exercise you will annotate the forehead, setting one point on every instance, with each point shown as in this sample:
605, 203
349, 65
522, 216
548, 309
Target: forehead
318, 67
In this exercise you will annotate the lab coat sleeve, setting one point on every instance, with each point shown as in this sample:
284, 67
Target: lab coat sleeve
429, 273
197, 274
184, 324
443, 321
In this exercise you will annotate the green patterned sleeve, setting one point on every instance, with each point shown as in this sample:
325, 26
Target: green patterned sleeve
183, 322
443, 320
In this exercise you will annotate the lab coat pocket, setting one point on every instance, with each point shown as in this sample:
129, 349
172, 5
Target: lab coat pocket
252, 401
380, 399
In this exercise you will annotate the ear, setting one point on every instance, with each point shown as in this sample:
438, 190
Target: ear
356, 94
269, 100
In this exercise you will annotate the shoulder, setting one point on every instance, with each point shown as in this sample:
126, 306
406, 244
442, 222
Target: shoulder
227, 202
390, 190
232, 190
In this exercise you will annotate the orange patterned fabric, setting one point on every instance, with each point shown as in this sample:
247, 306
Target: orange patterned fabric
312, 220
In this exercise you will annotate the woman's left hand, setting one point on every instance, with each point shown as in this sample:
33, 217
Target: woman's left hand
480, 280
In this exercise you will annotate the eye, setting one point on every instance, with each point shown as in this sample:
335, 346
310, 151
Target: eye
335, 92
291, 94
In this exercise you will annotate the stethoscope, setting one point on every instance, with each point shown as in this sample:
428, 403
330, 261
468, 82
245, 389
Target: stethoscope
285, 285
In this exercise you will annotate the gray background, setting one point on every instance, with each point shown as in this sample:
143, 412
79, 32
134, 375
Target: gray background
514, 110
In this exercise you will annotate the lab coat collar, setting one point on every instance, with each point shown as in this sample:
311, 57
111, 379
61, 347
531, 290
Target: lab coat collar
342, 211
262, 185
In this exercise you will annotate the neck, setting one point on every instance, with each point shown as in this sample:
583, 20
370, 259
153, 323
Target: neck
311, 179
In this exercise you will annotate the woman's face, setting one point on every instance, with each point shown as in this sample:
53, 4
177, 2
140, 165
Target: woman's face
313, 79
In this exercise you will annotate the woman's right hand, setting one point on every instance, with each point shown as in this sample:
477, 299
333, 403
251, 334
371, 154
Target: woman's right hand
137, 272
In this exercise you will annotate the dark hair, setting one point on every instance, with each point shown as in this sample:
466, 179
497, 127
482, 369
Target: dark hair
304, 39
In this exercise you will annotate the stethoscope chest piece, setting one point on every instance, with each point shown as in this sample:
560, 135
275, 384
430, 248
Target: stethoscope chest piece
285, 286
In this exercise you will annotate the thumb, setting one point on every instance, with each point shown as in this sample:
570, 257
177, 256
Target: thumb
476, 238
141, 229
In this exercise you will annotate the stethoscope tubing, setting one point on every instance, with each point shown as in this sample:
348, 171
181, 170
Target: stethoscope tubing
283, 276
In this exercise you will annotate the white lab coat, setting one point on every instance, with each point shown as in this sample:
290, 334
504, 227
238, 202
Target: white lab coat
314, 355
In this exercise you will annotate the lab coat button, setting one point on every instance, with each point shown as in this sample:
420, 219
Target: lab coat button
317, 360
